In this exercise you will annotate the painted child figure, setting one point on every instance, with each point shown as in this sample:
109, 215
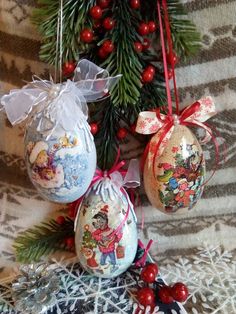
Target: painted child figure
105, 237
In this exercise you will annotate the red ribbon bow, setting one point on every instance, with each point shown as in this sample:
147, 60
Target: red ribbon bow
150, 122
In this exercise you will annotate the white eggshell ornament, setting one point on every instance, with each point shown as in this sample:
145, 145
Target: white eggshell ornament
175, 183
59, 149
105, 231
61, 167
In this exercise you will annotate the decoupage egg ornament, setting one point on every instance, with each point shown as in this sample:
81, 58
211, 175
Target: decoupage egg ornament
60, 153
176, 182
105, 230
174, 166
61, 167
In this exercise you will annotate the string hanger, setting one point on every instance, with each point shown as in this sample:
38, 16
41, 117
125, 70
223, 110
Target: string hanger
169, 45
59, 49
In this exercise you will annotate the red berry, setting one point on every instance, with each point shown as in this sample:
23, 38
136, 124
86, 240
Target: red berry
60, 220
152, 26
138, 46
94, 128
135, 4
146, 296
152, 267
148, 275
70, 242
86, 35
143, 29
172, 58
108, 46
108, 23
147, 76
68, 68
103, 3
122, 133
170, 74
179, 292
146, 43
151, 68
96, 12
102, 54
164, 294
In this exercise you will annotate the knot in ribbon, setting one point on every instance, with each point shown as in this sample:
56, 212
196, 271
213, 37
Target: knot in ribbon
109, 183
142, 261
63, 104
150, 122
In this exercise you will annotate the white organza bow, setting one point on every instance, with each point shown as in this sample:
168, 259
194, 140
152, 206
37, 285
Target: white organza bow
63, 104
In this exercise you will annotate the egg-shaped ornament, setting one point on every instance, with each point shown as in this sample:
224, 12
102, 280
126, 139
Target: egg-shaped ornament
173, 163
60, 153
175, 182
105, 231
62, 166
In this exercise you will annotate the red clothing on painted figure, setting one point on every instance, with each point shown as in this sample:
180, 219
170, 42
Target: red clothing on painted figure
106, 246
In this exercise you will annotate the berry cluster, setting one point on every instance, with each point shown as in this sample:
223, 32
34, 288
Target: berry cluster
99, 24
148, 74
147, 295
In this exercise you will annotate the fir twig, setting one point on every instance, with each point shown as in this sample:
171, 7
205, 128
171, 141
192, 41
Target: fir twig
75, 18
125, 60
42, 240
186, 38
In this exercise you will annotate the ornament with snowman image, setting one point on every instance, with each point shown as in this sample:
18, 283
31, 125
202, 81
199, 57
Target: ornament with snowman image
106, 236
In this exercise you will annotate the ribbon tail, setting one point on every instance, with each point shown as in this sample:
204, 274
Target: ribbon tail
132, 177
20, 102
142, 261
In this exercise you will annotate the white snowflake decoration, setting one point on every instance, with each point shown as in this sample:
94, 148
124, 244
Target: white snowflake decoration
81, 293
211, 279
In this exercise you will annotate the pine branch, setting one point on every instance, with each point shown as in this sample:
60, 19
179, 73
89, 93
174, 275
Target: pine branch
186, 38
106, 141
124, 60
42, 240
75, 17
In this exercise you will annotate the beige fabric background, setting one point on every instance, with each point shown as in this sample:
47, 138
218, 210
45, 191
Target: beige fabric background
211, 72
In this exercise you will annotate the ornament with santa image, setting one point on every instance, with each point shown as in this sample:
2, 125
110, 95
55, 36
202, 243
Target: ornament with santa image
105, 228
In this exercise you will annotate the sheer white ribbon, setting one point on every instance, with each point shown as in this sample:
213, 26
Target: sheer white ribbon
63, 104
